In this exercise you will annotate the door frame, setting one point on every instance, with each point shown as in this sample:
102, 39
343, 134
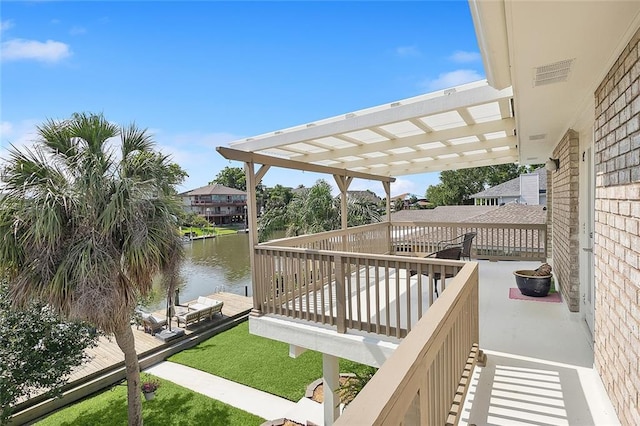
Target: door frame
587, 229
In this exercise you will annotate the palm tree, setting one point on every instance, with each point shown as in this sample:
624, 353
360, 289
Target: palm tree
86, 228
313, 210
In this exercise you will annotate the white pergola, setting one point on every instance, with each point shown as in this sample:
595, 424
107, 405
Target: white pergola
466, 126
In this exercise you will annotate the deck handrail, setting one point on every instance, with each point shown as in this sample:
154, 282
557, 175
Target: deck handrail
494, 241
420, 382
334, 240
384, 294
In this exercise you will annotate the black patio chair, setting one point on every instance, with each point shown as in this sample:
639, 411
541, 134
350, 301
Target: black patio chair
451, 253
463, 241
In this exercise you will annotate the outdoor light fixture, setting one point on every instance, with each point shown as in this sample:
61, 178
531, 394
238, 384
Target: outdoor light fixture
552, 164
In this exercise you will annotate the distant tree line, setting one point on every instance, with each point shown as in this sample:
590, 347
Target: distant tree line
457, 186
311, 210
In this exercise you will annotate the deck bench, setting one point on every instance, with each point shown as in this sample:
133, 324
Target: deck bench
203, 308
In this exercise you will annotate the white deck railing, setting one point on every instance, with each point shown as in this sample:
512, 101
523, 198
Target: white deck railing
494, 241
375, 278
383, 294
425, 379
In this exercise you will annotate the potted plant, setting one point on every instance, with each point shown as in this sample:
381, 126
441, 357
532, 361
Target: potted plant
535, 283
149, 387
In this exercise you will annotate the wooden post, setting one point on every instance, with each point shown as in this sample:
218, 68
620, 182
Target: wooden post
387, 190
343, 183
330, 387
253, 179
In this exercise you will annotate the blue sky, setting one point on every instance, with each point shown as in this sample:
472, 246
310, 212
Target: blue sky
201, 74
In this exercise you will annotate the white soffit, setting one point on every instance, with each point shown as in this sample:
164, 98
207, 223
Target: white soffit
443, 130
554, 54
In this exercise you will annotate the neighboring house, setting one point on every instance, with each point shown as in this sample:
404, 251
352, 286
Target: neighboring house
528, 188
570, 73
407, 201
510, 213
440, 214
218, 204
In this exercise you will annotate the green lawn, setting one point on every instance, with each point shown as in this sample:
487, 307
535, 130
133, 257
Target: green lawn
209, 230
258, 362
173, 405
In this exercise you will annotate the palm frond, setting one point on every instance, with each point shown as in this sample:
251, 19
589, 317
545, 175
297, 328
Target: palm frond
83, 232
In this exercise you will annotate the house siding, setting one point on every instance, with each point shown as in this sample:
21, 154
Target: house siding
617, 244
564, 212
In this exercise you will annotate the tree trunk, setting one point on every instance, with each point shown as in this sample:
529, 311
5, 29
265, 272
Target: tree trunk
124, 338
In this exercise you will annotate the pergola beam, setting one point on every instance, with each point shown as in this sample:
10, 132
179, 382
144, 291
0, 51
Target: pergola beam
510, 141
267, 160
416, 107
409, 141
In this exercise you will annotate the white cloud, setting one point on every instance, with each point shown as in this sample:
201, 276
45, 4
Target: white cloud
463, 57
5, 25
407, 51
77, 30
401, 186
451, 79
19, 134
5, 129
195, 153
49, 51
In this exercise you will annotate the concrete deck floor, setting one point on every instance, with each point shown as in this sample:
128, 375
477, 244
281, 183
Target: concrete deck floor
540, 360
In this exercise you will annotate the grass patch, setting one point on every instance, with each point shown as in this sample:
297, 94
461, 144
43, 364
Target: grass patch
226, 231
198, 231
257, 362
207, 230
173, 405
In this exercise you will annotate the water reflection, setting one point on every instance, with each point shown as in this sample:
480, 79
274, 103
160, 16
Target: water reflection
220, 263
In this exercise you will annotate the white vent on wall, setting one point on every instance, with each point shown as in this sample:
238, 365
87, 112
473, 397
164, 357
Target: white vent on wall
552, 73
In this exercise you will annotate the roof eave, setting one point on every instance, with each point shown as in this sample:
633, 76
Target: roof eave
491, 32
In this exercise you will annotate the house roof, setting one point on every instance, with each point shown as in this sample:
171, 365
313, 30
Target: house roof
441, 214
509, 213
512, 213
216, 189
511, 188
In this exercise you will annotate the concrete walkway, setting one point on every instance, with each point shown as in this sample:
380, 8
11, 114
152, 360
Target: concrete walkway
251, 400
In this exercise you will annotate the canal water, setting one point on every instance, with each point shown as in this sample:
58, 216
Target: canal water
211, 265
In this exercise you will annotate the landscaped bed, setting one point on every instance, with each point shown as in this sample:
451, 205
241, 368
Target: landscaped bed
258, 362
172, 405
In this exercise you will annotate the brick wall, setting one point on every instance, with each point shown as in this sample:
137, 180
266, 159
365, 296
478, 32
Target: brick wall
564, 214
617, 244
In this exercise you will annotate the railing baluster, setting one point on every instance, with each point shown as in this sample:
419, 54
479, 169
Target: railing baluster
386, 298
358, 302
331, 279
346, 264
407, 284
377, 288
340, 296
397, 297
368, 295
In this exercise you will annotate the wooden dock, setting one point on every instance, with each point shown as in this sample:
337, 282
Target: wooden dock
107, 354
106, 365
